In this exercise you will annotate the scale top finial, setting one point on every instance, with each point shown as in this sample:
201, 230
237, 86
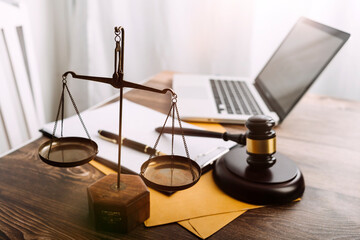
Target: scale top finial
118, 29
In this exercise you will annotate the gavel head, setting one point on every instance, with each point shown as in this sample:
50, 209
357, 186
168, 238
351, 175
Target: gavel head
260, 141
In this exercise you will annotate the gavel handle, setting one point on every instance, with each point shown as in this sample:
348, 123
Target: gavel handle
238, 138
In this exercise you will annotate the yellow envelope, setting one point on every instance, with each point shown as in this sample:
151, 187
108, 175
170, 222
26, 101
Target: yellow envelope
203, 199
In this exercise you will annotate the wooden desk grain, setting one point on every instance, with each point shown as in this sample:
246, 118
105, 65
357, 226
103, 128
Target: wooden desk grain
321, 135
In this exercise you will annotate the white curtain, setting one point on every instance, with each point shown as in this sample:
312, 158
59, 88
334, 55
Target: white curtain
187, 36
233, 37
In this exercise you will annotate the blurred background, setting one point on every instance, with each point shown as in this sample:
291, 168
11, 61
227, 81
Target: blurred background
233, 37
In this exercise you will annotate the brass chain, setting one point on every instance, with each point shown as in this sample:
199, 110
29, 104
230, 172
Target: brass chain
61, 108
173, 109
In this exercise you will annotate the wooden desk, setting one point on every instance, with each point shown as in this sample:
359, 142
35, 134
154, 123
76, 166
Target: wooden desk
322, 135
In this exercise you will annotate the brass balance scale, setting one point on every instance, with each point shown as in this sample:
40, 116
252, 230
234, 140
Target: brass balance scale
119, 202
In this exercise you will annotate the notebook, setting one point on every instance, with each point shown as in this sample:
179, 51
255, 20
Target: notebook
202, 150
295, 65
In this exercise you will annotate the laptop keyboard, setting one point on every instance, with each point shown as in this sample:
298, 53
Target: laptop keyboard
234, 97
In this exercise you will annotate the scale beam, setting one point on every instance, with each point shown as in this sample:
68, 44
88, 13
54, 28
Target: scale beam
117, 82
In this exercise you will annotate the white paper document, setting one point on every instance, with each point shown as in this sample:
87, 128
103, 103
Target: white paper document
138, 124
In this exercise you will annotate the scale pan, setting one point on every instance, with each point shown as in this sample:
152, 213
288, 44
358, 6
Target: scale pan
170, 173
68, 151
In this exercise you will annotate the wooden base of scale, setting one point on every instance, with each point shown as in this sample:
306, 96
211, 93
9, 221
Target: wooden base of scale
118, 210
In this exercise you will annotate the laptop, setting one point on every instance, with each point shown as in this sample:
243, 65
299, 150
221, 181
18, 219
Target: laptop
295, 65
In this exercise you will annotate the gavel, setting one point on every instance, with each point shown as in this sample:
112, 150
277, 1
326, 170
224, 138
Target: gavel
260, 139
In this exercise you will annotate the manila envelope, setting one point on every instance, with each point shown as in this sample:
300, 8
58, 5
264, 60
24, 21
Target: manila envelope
203, 199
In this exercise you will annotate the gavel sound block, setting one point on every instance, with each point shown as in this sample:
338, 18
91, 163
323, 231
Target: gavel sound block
257, 174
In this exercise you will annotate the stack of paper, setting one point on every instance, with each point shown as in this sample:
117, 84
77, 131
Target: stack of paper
139, 124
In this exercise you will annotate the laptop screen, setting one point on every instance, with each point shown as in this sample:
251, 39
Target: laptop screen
295, 65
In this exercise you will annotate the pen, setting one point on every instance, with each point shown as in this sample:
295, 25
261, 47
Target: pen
111, 137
